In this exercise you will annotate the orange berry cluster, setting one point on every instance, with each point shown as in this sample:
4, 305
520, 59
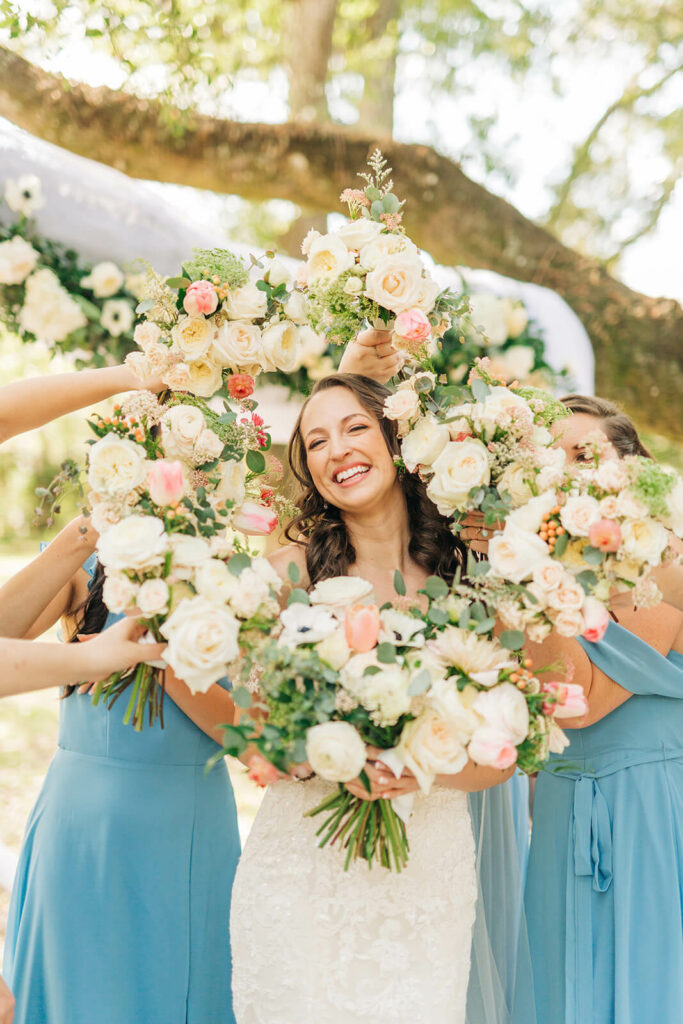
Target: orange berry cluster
222, 289
132, 426
551, 528
522, 678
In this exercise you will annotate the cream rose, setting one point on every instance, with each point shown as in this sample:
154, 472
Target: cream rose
202, 641
116, 465
136, 543
208, 447
334, 649
119, 593
206, 378
340, 592
431, 745
237, 345
609, 507
611, 475
353, 285
180, 428
514, 480
424, 443
505, 708
187, 553
252, 593
428, 294
192, 336
548, 575
514, 554
335, 751
146, 333
403, 405
328, 257
488, 317
246, 303
644, 540
382, 246
296, 308
395, 282
281, 346
569, 623
153, 597
461, 466
579, 513
104, 279
501, 402
215, 582
455, 707
357, 233
17, 260
567, 596
630, 507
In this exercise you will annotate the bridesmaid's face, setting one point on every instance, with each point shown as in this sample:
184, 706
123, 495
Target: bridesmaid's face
347, 455
571, 432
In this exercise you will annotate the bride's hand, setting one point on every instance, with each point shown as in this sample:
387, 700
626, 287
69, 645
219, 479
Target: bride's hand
371, 354
384, 784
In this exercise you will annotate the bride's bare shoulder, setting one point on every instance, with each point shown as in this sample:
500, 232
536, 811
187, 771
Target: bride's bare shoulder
283, 558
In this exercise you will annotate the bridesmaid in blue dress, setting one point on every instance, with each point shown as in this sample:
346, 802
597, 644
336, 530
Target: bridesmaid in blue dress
121, 904
605, 878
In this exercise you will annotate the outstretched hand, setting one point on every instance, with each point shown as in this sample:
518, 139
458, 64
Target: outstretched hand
384, 784
372, 355
117, 649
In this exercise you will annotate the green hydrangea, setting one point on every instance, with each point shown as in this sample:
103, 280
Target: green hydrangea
220, 263
652, 484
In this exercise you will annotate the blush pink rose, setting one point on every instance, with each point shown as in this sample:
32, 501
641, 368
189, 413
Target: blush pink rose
251, 517
412, 325
200, 297
362, 627
605, 535
596, 619
570, 700
262, 772
165, 482
492, 747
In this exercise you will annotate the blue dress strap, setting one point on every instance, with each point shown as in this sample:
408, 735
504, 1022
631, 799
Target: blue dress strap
90, 564
632, 663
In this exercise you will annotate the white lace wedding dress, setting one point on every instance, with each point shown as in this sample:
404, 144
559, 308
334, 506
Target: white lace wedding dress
313, 944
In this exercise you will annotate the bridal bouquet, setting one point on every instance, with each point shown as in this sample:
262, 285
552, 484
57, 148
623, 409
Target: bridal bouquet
429, 689
369, 272
482, 447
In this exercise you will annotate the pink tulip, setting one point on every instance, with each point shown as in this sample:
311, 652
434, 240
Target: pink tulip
262, 772
412, 325
605, 535
200, 297
492, 747
251, 517
570, 700
165, 482
362, 627
596, 619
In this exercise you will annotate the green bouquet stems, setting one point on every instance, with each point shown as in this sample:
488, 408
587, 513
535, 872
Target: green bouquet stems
369, 830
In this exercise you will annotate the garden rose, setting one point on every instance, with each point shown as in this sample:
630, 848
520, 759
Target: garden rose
277, 274
504, 709
188, 552
460, 466
201, 299
177, 377
296, 308
579, 514
403, 405
424, 443
548, 575
357, 233
192, 336
180, 428
328, 257
515, 553
569, 622
246, 303
395, 282
335, 751
252, 594
165, 482
116, 465
206, 377
644, 540
104, 279
339, 592
146, 333
569, 595
353, 285
514, 480
17, 260
119, 593
202, 641
240, 386
431, 746
281, 346
412, 325
153, 597
215, 582
382, 246
136, 543
237, 345
611, 475
605, 534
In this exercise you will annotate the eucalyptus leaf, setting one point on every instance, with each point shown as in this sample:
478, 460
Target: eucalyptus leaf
399, 583
420, 684
588, 579
178, 282
298, 596
512, 639
391, 203
239, 562
386, 653
485, 625
437, 616
594, 556
377, 209
293, 572
435, 587
480, 389
242, 697
561, 545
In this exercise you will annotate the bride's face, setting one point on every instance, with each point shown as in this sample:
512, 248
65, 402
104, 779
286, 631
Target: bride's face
347, 455
572, 431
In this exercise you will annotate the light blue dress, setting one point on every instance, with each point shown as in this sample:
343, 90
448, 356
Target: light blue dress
604, 891
121, 906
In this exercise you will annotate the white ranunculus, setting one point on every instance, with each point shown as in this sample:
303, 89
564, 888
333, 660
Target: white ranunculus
208, 447
24, 194
424, 443
386, 244
353, 285
103, 515
104, 279
232, 481
180, 428
403, 405
136, 543
514, 480
296, 308
505, 708
611, 474
246, 303
357, 233
153, 597
335, 751
328, 257
237, 345
214, 581
119, 593
530, 516
206, 378
305, 624
117, 316
674, 501
515, 554
116, 465
253, 592
192, 336
400, 629
202, 641
488, 317
644, 540
188, 553
281, 345
395, 283
461, 466
49, 312
341, 592
334, 649
430, 745
579, 513
548, 575
17, 260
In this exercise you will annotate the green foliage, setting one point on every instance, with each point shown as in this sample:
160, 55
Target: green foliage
211, 263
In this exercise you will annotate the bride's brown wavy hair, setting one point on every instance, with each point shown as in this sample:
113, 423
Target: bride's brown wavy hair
320, 528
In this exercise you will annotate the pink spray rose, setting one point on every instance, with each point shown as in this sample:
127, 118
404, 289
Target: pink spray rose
596, 619
570, 700
412, 325
165, 482
262, 772
200, 297
253, 518
605, 535
362, 627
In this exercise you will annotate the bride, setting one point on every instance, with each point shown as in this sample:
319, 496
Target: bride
311, 943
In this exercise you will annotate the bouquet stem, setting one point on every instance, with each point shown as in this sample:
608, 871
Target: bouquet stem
367, 830
146, 685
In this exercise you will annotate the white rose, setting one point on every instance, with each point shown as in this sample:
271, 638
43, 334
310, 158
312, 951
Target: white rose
192, 336
404, 404
568, 595
180, 428
214, 581
530, 516
116, 465
548, 575
428, 294
488, 317
455, 707
516, 317
118, 593
17, 260
281, 346
153, 597
252, 593
187, 553
353, 285
202, 641
395, 282
504, 708
335, 751
231, 486
341, 592
136, 543
296, 308
208, 447
305, 624
424, 443
246, 303
237, 345
431, 746
514, 554
579, 513
104, 279
328, 257
674, 501
611, 475
461, 466
514, 480
515, 363
357, 233
24, 194
501, 402
206, 378
644, 540
334, 649
569, 622
103, 515
311, 347
382, 246
146, 333
264, 569
49, 312
629, 506
117, 316
278, 274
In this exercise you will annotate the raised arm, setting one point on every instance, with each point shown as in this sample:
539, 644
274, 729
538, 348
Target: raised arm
372, 355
